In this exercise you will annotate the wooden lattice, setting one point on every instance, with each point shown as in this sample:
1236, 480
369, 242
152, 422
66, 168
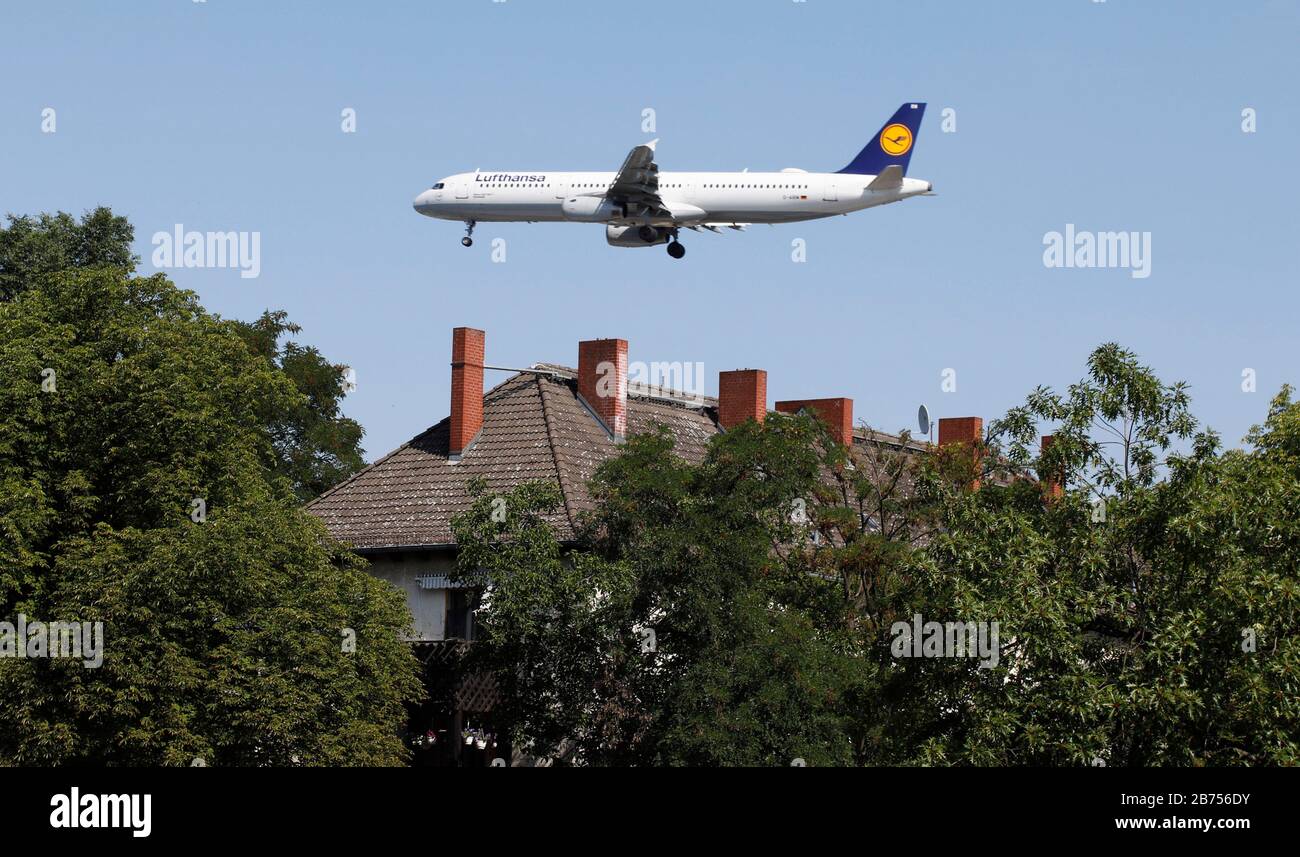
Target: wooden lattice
448, 679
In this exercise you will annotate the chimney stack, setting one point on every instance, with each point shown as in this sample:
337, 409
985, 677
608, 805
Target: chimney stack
466, 388
967, 432
742, 395
836, 413
1053, 483
602, 382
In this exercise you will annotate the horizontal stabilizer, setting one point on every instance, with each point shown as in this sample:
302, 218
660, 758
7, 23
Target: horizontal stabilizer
890, 178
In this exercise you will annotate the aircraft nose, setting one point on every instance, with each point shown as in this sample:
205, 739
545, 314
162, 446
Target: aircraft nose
424, 202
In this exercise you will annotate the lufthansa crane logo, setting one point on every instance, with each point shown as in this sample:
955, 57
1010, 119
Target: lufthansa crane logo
896, 139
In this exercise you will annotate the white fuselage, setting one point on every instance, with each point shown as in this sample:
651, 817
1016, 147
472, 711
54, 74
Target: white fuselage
704, 198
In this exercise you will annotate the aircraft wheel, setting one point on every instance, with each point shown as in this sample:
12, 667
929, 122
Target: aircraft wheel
467, 241
648, 234
676, 250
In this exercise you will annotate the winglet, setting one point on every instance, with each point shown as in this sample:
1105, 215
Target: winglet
890, 178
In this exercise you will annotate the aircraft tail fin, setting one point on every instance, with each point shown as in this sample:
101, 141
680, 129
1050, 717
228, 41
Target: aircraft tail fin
892, 145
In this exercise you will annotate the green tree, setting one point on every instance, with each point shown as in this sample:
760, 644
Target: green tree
31, 247
140, 488
316, 446
1148, 616
671, 635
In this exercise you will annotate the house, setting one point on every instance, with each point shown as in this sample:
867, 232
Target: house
547, 422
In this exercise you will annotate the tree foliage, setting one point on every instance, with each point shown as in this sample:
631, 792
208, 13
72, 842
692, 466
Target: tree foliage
667, 638
142, 486
316, 447
1147, 615
31, 247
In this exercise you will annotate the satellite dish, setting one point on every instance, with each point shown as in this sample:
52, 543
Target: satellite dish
923, 419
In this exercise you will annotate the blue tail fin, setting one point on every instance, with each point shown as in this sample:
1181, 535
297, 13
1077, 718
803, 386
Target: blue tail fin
893, 144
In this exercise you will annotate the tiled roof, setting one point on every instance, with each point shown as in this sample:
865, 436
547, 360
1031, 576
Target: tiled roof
534, 428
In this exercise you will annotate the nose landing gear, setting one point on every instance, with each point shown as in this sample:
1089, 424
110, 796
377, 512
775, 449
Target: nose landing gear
468, 240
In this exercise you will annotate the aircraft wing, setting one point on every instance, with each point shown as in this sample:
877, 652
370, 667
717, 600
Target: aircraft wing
637, 183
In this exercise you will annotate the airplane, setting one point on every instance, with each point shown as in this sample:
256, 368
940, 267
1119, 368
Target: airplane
642, 207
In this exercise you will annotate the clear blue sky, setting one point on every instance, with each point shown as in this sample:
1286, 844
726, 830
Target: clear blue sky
1122, 115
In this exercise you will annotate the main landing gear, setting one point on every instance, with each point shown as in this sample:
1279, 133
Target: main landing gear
675, 248
468, 240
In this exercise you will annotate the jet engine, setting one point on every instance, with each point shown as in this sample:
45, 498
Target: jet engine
635, 236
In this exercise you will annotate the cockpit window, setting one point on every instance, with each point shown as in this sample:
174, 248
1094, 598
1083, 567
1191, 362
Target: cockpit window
438, 186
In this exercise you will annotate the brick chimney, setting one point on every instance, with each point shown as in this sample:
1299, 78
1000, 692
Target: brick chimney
1053, 488
742, 395
836, 413
967, 432
466, 388
602, 382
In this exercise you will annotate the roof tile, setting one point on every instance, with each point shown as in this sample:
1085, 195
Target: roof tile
534, 428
